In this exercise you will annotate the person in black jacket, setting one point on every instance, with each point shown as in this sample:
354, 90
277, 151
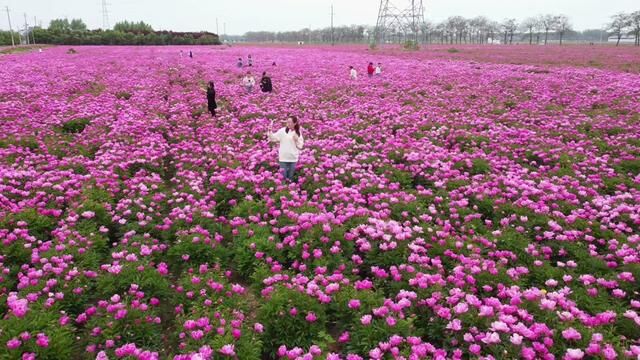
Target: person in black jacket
211, 99
265, 83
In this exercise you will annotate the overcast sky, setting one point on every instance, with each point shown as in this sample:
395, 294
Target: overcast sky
241, 16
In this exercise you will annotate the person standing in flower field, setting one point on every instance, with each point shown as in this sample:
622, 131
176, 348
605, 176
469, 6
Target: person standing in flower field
248, 82
249, 61
378, 71
211, 99
353, 73
265, 83
239, 63
370, 69
291, 142
191, 54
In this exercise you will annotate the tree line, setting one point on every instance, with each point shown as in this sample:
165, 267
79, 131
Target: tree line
540, 29
75, 32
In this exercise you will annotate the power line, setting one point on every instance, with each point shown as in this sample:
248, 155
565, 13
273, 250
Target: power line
13, 43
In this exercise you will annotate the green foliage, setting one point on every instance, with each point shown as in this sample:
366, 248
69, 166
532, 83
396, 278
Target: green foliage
75, 126
126, 26
149, 280
453, 50
123, 95
30, 143
411, 45
199, 253
244, 253
342, 315
62, 33
283, 328
478, 166
59, 25
134, 327
365, 338
628, 166
39, 225
37, 320
77, 25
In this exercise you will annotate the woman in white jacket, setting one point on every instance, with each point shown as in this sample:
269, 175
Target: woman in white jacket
248, 81
291, 142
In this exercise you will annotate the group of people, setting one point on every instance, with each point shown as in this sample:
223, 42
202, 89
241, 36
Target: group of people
371, 71
190, 54
240, 62
289, 137
249, 82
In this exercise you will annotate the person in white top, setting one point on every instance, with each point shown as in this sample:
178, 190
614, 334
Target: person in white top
353, 74
291, 142
248, 82
378, 69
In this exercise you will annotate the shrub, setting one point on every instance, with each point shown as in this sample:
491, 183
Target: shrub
244, 255
364, 338
629, 166
75, 126
149, 280
480, 166
411, 45
198, 252
282, 328
123, 95
39, 225
38, 320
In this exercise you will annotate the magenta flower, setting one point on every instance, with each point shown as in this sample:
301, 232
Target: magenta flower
571, 334
228, 350
13, 344
311, 317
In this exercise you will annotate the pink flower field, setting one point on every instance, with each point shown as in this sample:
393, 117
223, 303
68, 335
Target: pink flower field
462, 205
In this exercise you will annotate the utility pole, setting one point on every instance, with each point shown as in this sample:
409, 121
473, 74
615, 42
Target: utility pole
224, 31
33, 31
13, 43
332, 13
26, 29
105, 15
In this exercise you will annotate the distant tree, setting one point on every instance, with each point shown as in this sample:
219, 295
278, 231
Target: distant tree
635, 24
59, 25
77, 25
547, 23
126, 26
509, 26
493, 29
619, 25
528, 26
562, 25
478, 27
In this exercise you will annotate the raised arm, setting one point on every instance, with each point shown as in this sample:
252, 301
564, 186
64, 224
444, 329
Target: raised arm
271, 136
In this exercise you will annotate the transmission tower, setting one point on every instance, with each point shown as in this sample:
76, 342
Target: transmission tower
105, 15
399, 18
